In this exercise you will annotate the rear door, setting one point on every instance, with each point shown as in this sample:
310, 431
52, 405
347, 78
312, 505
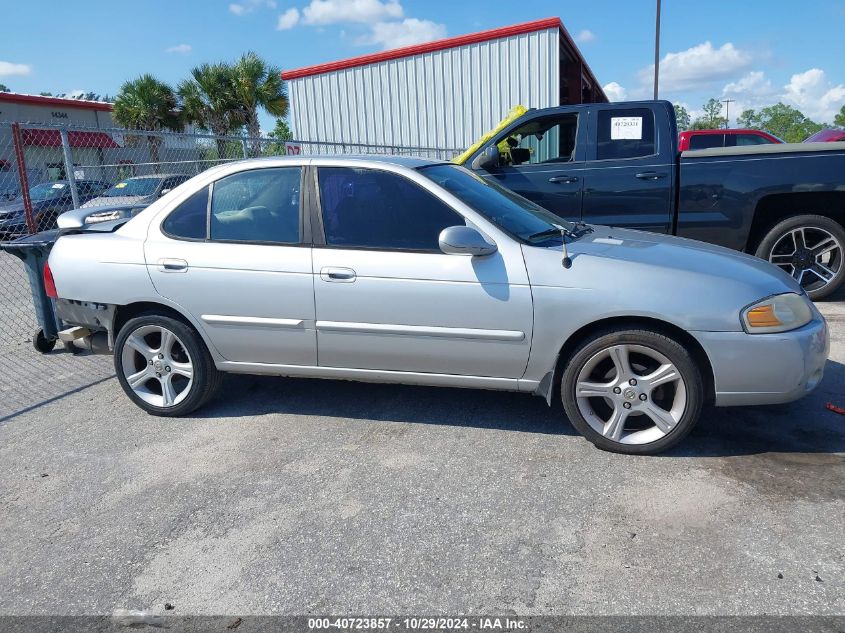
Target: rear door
543, 161
240, 264
630, 169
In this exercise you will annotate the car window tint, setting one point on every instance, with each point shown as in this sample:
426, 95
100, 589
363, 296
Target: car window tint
188, 220
706, 141
751, 139
261, 205
625, 133
368, 208
541, 140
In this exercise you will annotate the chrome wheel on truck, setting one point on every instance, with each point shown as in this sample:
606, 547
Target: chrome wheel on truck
811, 249
163, 365
632, 391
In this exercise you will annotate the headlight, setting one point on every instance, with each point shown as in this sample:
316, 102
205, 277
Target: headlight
105, 216
780, 313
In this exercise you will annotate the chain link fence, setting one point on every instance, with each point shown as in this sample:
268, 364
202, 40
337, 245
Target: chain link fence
46, 170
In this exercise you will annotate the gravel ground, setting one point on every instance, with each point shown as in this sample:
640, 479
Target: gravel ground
303, 496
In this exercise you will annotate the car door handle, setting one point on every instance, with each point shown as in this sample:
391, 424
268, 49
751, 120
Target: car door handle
170, 265
563, 179
650, 175
342, 275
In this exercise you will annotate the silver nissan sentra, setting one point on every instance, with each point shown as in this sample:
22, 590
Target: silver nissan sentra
414, 271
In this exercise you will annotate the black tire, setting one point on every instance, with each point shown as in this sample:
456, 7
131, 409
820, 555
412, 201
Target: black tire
654, 341
815, 288
42, 344
206, 378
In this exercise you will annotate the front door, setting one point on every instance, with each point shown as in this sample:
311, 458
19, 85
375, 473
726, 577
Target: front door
628, 182
241, 266
542, 161
387, 298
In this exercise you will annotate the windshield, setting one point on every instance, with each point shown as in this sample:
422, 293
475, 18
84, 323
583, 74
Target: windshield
133, 187
46, 191
511, 212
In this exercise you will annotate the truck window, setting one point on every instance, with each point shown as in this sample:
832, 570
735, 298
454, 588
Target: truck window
750, 139
706, 141
627, 133
542, 140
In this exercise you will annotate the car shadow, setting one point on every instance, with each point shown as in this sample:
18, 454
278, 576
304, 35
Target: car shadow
805, 426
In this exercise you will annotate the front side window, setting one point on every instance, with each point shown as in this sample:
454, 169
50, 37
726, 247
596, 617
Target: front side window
368, 208
625, 133
189, 220
743, 140
542, 140
261, 205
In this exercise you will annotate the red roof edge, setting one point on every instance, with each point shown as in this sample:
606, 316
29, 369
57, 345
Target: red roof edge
14, 97
427, 47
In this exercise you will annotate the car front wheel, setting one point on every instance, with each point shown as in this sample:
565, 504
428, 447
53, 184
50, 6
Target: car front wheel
163, 365
632, 391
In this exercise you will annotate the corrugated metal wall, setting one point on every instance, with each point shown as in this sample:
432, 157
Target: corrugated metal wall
442, 99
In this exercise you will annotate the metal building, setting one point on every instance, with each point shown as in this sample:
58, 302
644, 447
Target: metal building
442, 94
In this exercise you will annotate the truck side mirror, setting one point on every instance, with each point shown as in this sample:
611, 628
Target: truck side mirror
487, 160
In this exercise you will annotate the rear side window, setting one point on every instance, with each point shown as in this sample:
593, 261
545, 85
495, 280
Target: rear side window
261, 205
627, 133
188, 220
706, 141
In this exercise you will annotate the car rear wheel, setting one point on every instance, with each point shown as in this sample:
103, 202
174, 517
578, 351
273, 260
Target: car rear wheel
632, 391
811, 249
163, 365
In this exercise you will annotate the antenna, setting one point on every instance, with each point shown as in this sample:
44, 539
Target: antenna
566, 262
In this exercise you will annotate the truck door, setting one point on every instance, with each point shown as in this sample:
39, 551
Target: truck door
629, 175
543, 160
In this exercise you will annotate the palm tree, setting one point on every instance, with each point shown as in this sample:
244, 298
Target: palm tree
208, 100
256, 84
146, 103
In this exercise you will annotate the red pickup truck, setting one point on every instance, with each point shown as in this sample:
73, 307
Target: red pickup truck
708, 139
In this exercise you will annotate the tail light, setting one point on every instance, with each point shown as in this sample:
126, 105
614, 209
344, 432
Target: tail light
49, 284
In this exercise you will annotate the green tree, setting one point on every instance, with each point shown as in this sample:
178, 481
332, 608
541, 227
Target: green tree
782, 120
209, 101
3, 88
146, 103
682, 117
280, 134
839, 119
258, 85
712, 118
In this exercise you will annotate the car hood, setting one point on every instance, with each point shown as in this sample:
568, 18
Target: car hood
700, 286
16, 207
112, 201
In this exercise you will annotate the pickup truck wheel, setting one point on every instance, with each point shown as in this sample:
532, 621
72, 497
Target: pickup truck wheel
163, 365
632, 391
811, 249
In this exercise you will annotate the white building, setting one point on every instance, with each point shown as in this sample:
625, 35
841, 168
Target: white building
442, 94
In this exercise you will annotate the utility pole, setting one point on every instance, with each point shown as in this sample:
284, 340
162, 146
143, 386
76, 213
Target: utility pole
656, 48
728, 103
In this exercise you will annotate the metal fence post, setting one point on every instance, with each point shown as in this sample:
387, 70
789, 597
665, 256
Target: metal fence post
246, 148
71, 177
23, 178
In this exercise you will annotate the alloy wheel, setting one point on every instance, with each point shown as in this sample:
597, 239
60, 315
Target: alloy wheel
157, 366
812, 255
631, 394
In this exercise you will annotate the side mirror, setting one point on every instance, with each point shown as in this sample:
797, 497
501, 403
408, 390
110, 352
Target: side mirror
164, 192
464, 240
487, 160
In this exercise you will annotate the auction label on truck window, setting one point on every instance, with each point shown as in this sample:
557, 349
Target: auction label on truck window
626, 128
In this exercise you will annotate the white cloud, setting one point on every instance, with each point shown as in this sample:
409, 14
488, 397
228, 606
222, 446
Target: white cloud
586, 35
813, 94
9, 69
182, 49
336, 11
288, 20
753, 84
615, 92
698, 66
248, 6
405, 33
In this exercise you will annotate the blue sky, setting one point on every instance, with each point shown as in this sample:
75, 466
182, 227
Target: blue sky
756, 52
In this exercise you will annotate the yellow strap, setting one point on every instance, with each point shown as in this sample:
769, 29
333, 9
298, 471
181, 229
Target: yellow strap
515, 112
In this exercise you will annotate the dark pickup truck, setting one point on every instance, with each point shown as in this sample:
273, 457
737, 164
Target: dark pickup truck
618, 164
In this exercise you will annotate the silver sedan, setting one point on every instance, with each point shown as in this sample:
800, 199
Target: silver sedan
412, 271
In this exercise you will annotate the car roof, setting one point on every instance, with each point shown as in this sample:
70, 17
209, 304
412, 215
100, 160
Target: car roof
383, 159
156, 176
